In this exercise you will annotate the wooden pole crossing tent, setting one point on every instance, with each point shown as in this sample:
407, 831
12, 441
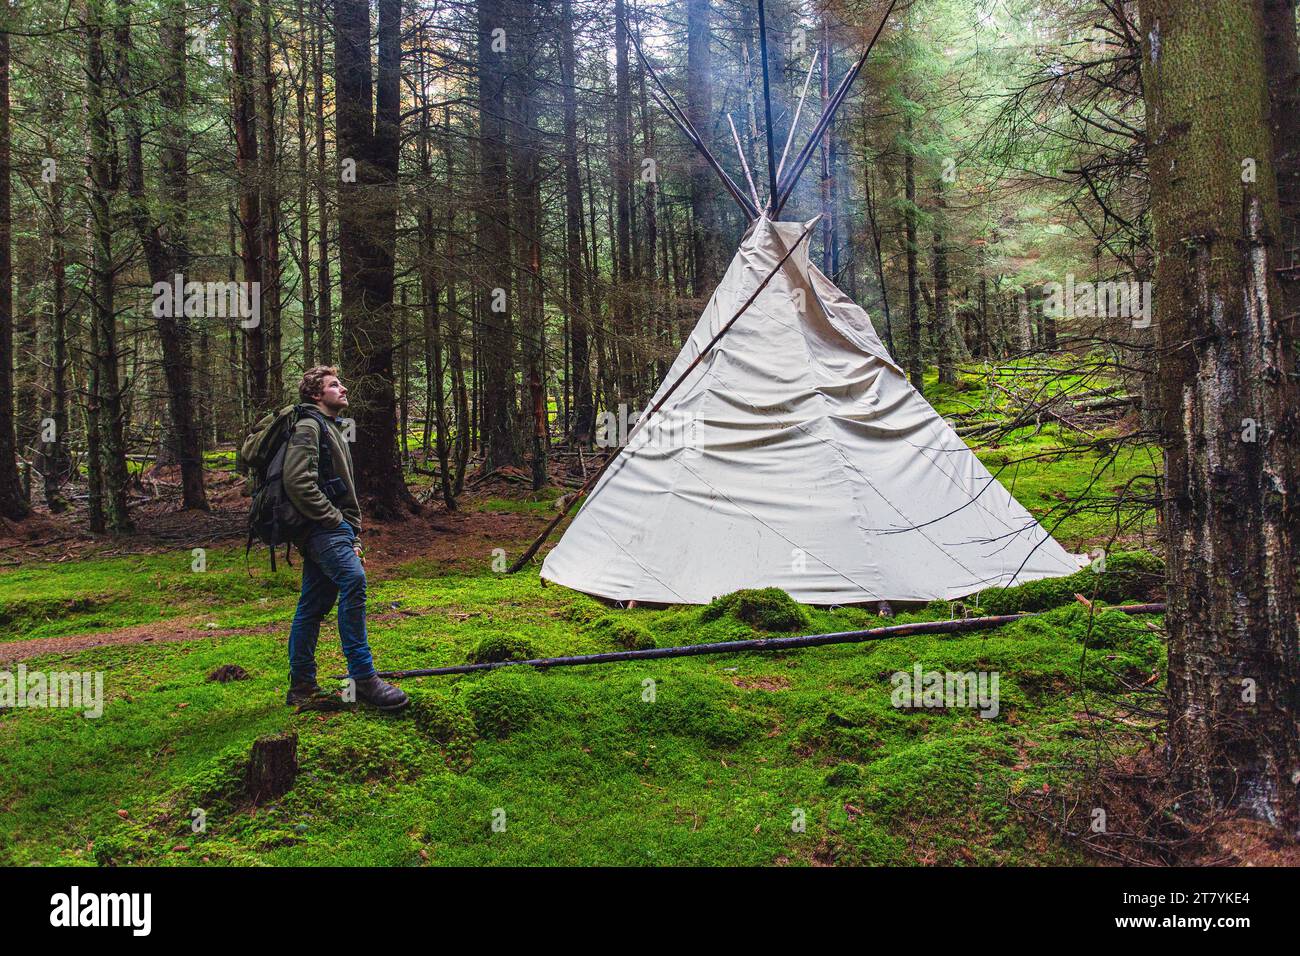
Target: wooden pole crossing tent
786, 448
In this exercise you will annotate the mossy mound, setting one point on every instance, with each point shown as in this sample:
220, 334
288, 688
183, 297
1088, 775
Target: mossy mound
624, 633
440, 718
767, 609
698, 707
502, 647
502, 703
1128, 576
364, 750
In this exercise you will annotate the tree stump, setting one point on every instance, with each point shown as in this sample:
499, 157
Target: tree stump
272, 767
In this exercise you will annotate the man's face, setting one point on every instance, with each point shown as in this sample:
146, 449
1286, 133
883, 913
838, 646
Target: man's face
333, 395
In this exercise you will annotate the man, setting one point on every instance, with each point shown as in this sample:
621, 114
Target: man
333, 564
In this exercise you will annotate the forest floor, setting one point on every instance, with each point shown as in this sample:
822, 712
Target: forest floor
795, 758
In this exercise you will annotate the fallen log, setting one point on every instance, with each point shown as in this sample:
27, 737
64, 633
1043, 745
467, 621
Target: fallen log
958, 626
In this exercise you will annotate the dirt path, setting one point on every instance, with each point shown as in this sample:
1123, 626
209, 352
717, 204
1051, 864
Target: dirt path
457, 541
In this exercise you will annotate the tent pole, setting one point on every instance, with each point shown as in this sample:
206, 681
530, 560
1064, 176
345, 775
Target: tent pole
684, 124
751, 212
586, 485
960, 625
767, 106
801, 160
794, 124
744, 164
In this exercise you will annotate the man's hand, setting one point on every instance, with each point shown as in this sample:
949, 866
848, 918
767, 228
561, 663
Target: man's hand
361, 555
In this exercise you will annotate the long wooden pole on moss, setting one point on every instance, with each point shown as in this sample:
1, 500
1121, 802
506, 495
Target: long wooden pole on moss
960, 625
586, 485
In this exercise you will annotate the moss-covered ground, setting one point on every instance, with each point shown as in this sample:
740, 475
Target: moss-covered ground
792, 758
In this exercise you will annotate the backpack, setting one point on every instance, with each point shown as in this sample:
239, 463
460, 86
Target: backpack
272, 518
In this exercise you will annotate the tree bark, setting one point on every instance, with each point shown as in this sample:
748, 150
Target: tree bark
13, 503
244, 105
272, 767
943, 316
105, 400
699, 110
367, 245
916, 347
496, 326
584, 411
164, 237
1229, 407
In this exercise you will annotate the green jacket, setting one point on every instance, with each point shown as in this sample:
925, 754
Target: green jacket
302, 475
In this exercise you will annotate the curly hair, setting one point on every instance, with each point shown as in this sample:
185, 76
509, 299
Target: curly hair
313, 382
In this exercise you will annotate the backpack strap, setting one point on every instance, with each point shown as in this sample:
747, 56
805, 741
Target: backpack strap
325, 457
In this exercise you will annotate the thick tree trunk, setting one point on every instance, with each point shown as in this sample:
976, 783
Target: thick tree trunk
528, 192
1230, 406
584, 411
55, 460
105, 401
496, 326
1283, 66
367, 246
244, 105
165, 242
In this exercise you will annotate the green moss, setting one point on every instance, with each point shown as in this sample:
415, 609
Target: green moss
767, 609
363, 748
695, 706
1128, 576
502, 646
625, 633
503, 702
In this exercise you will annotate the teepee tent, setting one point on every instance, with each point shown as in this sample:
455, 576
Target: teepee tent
787, 449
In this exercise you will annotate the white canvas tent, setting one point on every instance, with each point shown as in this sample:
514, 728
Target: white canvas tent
787, 449
797, 456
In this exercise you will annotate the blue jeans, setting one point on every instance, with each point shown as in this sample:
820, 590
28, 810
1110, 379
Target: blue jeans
330, 569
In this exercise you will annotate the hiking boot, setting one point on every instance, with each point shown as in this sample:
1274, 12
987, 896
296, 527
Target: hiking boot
301, 693
380, 694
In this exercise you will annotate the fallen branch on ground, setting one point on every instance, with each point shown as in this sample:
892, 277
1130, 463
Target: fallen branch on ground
960, 625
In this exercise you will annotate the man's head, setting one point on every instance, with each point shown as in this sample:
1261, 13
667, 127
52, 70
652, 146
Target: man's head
320, 386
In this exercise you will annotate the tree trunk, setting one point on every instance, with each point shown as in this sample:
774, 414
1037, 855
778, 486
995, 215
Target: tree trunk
164, 239
1229, 407
324, 303
367, 245
269, 175
13, 503
306, 291
584, 411
272, 767
699, 110
916, 347
244, 105
496, 327
105, 400
528, 192
943, 317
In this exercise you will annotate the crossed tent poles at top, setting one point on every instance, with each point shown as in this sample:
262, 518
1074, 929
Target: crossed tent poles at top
780, 181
